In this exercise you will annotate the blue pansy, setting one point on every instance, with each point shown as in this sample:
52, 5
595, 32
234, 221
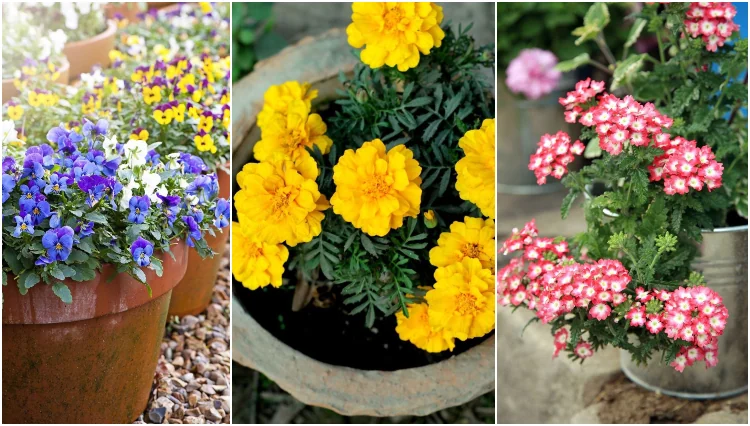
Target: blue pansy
57, 184
28, 196
170, 204
58, 242
83, 230
39, 211
91, 129
204, 187
54, 220
221, 213
142, 250
23, 224
152, 158
139, 208
194, 231
8, 184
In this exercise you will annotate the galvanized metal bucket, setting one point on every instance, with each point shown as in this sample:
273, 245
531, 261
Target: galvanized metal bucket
723, 261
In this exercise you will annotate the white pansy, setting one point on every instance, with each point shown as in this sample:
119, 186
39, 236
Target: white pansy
9, 132
84, 6
110, 146
68, 11
150, 182
58, 39
191, 199
183, 183
93, 79
135, 152
173, 162
127, 194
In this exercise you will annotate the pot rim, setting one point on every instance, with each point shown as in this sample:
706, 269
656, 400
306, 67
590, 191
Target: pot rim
107, 33
103, 295
65, 66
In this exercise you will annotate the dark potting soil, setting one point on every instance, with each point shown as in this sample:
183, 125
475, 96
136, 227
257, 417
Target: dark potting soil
329, 334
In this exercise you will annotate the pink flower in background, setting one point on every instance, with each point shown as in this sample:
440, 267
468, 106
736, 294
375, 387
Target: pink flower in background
533, 73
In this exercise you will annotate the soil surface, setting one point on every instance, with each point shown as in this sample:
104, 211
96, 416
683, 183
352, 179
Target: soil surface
192, 383
325, 331
625, 402
263, 402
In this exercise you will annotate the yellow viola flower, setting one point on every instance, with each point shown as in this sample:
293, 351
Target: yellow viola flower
225, 98
151, 95
376, 189
194, 111
292, 133
473, 238
49, 99
137, 76
395, 34
115, 55
205, 7
463, 299
35, 99
476, 171
206, 122
256, 264
225, 118
278, 98
185, 81
279, 200
179, 113
204, 142
417, 330
140, 134
163, 117
15, 112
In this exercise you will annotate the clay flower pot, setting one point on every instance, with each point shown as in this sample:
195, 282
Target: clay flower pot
349, 391
91, 361
193, 295
127, 10
84, 54
723, 261
9, 89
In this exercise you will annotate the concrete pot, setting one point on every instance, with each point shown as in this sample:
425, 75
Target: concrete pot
349, 391
10, 91
91, 361
84, 54
193, 295
723, 261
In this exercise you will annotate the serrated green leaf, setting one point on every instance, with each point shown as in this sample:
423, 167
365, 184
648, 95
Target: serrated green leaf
63, 292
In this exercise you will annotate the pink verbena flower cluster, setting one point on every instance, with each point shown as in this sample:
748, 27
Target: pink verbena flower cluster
553, 155
693, 314
713, 22
683, 166
533, 73
585, 91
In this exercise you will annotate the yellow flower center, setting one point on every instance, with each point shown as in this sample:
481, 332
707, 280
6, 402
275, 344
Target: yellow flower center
58, 246
293, 140
281, 200
471, 250
23, 226
466, 304
377, 187
392, 19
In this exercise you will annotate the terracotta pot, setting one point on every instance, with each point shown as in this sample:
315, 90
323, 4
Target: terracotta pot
723, 261
349, 391
128, 10
193, 295
84, 54
91, 361
9, 89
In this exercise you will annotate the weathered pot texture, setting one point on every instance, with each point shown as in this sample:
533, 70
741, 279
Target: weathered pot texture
193, 295
126, 10
349, 391
9, 89
91, 361
84, 54
723, 261
523, 122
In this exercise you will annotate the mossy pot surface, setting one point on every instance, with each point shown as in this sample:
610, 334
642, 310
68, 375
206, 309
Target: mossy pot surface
91, 361
349, 391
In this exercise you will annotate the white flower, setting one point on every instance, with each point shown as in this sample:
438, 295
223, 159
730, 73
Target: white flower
135, 152
92, 79
68, 11
191, 199
84, 6
173, 163
150, 182
110, 146
127, 194
9, 132
58, 39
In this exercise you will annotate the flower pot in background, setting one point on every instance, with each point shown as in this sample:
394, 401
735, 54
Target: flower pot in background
522, 123
83, 55
9, 89
127, 10
194, 292
91, 361
723, 261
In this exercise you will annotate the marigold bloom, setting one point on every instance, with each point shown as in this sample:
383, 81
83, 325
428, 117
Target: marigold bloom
255, 263
463, 300
279, 200
376, 189
472, 238
417, 330
395, 34
277, 99
292, 133
476, 171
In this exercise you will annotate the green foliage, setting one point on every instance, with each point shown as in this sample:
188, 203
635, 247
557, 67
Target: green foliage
428, 108
253, 38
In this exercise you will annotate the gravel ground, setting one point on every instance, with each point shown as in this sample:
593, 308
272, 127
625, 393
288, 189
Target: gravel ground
192, 384
260, 401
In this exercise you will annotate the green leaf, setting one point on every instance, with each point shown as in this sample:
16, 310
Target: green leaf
567, 203
56, 272
626, 69
63, 292
139, 274
635, 31
66, 270
97, 217
83, 274
574, 63
597, 16
593, 150
10, 256
368, 245
30, 279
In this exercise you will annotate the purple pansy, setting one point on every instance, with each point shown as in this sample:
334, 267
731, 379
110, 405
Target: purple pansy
142, 250
58, 242
221, 213
57, 184
138, 208
23, 224
194, 231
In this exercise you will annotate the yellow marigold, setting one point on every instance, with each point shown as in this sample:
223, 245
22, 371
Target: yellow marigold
417, 330
463, 299
394, 33
473, 238
375, 189
278, 98
279, 200
476, 171
290, 134
255, 263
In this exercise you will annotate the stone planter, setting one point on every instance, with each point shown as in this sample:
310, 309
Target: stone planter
84, 54
349, 391
193, 294
9, 89
91, 361
523, 122
723, 261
